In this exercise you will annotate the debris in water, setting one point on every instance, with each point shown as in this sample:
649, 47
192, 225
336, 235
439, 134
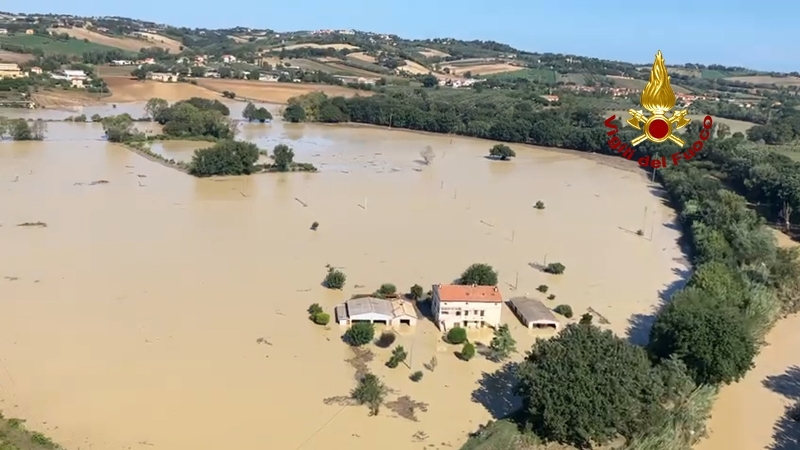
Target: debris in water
32, 224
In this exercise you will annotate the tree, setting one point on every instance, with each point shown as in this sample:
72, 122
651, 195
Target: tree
709, 335
417, 292
118, 128
427, 155
571, 389
723, 130
416, 376
480, 274
294, 113
502, 344
371, 392
387, 289
467, 351
502, 152
386, 339
322, 318
360, 333
586, 319
283, 155
457, 335
335, 279
251, 113
225, 158
564, 310
155, 107
429, 80
555, 268
539, 205
314, 309
398, 355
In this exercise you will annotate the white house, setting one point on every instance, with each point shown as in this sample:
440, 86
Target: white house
268, 77
227, 59
77, 78
162, 77
467, 306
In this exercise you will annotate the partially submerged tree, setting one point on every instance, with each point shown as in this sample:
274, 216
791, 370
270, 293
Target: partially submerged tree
480, 274
427, 155
398, 355
225, 158
335, 279
360, 333
253, 113
155, 107
502, 344
119, 128
502, 152
283, 155
371, 392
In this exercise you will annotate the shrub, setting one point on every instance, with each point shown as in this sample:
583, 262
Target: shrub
501, 152
335, 279
225, 158
398, 355
370, 391
360, 333
457, 335
555, 268
322, 318
417, 292
539, 205
502, 344
283, 155
551, 297
467, 351
542, 288
314, 226
97, 118
314, 309
480, 274
386, 339
564, 310
387, 289
416, 376
294, 113
586, 319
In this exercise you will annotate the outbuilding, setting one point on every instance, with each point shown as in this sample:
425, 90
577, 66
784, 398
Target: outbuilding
365, 309
403, 313
533, 313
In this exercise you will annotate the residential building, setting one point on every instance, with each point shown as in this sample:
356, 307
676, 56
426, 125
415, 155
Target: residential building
227, 59
162, 77
10, 70
550, 98
468, 306
394, 312
533, 313
36, 70
3, 31
77, 78
268, 77
121, 62
29, 31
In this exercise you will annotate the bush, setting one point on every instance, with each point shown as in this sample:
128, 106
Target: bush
386, 339
387, 289
542, 288
457, 335
564, 310
97, 118
360, 333
467, 351
539, 205
398, 355
335, 279
480, 274
501, 152
551, 297
370, 391
229, 94
294, 113
322, 318
417, 292
283, 156
586, 319
555, 268
314, 309
314, 226
416, 376
225, 158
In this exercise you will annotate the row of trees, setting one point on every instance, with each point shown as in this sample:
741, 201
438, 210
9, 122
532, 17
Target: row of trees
21, 130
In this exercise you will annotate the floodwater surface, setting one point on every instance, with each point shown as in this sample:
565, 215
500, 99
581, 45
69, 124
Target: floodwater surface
160, 310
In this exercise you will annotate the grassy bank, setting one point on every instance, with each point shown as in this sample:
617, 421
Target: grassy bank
14, 436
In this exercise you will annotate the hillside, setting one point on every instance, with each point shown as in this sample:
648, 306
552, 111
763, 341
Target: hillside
122, 42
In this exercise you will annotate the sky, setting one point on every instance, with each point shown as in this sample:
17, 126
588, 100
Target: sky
753, 34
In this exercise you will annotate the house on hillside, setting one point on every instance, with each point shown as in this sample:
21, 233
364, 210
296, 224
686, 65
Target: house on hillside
10, 70
29, 31
37, 70
228, 59
162, 77
3, 31
76, 78
467, 306
270, 77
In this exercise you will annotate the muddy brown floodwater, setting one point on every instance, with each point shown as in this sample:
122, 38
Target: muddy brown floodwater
132, 319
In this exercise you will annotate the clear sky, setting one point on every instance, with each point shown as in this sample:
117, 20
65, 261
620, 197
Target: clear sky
754, 34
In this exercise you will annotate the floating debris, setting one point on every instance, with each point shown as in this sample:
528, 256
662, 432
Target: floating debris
32, 224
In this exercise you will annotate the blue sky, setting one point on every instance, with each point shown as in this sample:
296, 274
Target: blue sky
753, 34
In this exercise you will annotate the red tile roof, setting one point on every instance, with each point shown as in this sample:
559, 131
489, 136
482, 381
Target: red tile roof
473, 293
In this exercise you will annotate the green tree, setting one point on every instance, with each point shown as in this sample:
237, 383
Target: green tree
398, 355
283, 155
480, 274
710, 336
387, 289
118, 128
502, 152
457, 335
251, 113
314, 309
360, 333
225, 158
573, 393
467, 351
322, 318
294, 113
564, 310
586, 319
502, 344
555, 268
335, 279
417, 292
429, 81
155, 107
370, 391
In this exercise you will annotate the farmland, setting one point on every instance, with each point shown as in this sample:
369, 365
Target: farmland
6, 56
538, 75
632, 83
308, 45
767, 80
51, 46
122, 43
488, 68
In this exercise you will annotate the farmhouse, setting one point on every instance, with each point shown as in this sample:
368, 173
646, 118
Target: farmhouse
271, 77
469, 306
162, 77
533, 313
227, 59
37, 70
376, 310
3, 31
10, 71
357, 80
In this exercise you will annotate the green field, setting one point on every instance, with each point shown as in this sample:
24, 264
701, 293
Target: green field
579, 79
51, 46
714, 74
538, 75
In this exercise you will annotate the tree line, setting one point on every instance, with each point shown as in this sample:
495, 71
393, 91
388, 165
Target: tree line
656, 396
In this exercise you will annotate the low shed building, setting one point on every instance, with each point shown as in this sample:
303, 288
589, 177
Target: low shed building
403, 312
533, 313
365, 309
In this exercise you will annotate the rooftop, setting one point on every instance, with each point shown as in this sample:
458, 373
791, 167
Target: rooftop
468, 293
7, 66
367, 305
403, 308
533, 311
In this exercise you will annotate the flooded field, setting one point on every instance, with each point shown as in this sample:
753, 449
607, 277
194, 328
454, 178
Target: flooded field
160, 310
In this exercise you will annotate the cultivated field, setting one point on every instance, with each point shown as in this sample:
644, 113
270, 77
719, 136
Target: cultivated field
11, 57
156, 40
239, 40
361, 56
414, 68
431, 53
273, 92
483, 69
59, 98
50, 46
632, 83
539, 75
125, 89
333, 46
778, 81
122, 43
